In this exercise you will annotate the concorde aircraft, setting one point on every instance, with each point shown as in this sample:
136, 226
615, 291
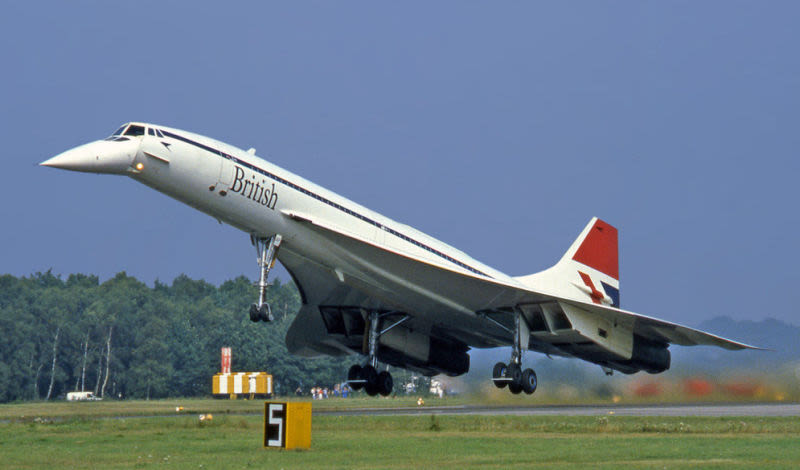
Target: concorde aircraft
376, 287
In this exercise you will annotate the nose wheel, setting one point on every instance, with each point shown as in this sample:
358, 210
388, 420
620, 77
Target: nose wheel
261, 312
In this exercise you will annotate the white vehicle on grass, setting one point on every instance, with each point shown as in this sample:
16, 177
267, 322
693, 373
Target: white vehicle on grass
82, 396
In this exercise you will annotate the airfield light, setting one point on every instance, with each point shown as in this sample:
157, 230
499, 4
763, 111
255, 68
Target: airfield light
140, 166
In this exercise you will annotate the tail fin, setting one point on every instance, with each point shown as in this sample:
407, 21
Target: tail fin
588, 271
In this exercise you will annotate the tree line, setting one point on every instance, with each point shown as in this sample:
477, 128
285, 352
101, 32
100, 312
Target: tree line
124, 339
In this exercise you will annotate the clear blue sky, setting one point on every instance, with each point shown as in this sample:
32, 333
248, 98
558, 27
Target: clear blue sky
500, 128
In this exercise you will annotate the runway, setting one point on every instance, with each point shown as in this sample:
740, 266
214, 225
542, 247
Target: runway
755, 409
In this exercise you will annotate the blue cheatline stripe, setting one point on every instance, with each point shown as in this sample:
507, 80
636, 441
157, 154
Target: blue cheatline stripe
325, 201
611, 292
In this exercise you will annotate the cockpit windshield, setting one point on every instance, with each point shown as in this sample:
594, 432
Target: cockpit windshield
130, 130
134, 130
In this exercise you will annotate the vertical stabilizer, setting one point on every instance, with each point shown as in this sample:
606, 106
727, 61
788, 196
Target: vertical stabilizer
588, 271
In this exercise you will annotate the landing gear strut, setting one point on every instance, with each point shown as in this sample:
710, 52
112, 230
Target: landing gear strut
511, 374
367, 376
267, 249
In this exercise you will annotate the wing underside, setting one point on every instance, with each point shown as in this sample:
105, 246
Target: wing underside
458, 307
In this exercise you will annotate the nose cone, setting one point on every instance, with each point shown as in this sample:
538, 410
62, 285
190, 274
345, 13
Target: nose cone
102, 156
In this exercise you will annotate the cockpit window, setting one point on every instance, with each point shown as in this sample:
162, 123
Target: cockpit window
150, 131
159, 133
134, 130
119, 131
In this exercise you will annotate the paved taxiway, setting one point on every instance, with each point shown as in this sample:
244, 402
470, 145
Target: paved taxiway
756, 409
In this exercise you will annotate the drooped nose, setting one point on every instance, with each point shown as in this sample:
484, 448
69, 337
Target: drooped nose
102, 156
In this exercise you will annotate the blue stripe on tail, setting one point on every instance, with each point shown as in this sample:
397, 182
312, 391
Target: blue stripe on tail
611, 292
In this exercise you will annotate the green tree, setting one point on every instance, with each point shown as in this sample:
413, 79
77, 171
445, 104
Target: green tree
123, 337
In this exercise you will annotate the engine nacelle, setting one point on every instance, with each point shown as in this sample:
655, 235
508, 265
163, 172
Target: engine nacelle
402, 347
650, 356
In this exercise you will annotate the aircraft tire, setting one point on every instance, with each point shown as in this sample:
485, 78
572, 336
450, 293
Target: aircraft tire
515, 388
369, 374
385, 383
254, 315
514, 373
355, 373
499, 372
529, 381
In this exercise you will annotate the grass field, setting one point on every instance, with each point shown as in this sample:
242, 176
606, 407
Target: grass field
79, 440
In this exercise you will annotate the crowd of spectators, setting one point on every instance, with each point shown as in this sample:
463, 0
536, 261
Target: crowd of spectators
321, 393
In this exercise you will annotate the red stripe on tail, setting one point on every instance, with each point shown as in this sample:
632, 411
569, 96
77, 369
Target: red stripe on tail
596, 295
599, 249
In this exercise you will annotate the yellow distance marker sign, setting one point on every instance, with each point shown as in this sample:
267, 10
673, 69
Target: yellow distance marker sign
287, 425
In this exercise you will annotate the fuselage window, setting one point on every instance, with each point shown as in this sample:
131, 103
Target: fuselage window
135, 130
119, 131
150, 131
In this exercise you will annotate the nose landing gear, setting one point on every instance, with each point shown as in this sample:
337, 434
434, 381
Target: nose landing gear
267, 249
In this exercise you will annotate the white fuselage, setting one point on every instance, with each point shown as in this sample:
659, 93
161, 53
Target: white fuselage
256, 196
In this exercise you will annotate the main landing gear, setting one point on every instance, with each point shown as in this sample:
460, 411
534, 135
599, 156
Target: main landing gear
367, 376
267, 249
511, 374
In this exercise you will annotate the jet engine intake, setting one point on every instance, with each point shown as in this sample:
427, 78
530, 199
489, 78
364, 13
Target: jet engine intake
402, 347
650, 356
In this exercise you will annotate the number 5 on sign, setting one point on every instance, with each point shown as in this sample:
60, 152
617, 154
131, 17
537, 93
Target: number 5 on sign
287, 425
